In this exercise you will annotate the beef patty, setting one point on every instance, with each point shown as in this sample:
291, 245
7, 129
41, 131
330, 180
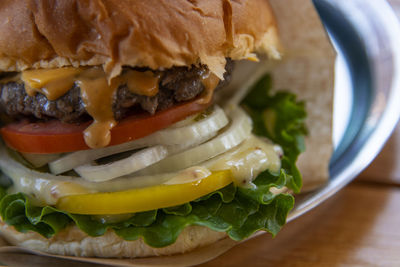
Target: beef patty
177, 84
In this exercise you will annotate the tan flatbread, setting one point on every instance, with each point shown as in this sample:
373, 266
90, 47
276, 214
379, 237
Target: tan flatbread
307, 69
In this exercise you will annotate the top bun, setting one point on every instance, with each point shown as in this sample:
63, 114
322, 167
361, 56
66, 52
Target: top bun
116, 33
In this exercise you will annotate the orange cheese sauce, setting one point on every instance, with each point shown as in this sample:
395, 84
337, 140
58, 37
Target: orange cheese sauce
53, 83
210, 82
98, 97
98, 94
141, 83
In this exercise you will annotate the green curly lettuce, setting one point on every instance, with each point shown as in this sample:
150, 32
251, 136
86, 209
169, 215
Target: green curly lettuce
235, 210
280, 118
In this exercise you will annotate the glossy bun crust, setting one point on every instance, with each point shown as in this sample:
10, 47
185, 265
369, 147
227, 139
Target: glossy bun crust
116, 33
152, 33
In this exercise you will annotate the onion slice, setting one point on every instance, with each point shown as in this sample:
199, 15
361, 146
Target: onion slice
133, 163
186, 135
236, 133
46, 188
40, 160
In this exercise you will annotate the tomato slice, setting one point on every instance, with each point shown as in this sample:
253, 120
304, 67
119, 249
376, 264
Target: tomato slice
58, 137
144, 199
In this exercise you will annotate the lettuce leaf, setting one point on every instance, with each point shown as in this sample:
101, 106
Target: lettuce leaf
237, 211
280, 118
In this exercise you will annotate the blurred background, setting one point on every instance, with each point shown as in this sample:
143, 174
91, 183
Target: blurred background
358, 226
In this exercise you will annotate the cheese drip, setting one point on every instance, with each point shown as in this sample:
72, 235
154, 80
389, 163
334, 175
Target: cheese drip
140, 83
53, 83
210, 82
98, 96
96, 92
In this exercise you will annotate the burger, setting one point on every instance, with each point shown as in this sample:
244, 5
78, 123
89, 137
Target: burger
113, 144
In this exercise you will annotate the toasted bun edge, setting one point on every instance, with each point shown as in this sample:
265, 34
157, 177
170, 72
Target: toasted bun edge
150, 34
73, 242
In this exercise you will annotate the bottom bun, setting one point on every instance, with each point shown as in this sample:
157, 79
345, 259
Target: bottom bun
73, 242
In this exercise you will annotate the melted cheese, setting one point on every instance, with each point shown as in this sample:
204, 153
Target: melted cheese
96, 92
141, 83
210, 82
53, 83
98, 96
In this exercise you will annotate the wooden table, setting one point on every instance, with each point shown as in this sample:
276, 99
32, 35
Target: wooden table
359, 226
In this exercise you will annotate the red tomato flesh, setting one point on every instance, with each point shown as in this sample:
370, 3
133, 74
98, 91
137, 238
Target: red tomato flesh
58, 137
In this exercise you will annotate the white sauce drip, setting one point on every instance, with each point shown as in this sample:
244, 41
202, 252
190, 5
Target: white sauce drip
248, 160
245, 161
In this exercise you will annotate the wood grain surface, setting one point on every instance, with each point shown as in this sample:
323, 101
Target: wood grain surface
359, 226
